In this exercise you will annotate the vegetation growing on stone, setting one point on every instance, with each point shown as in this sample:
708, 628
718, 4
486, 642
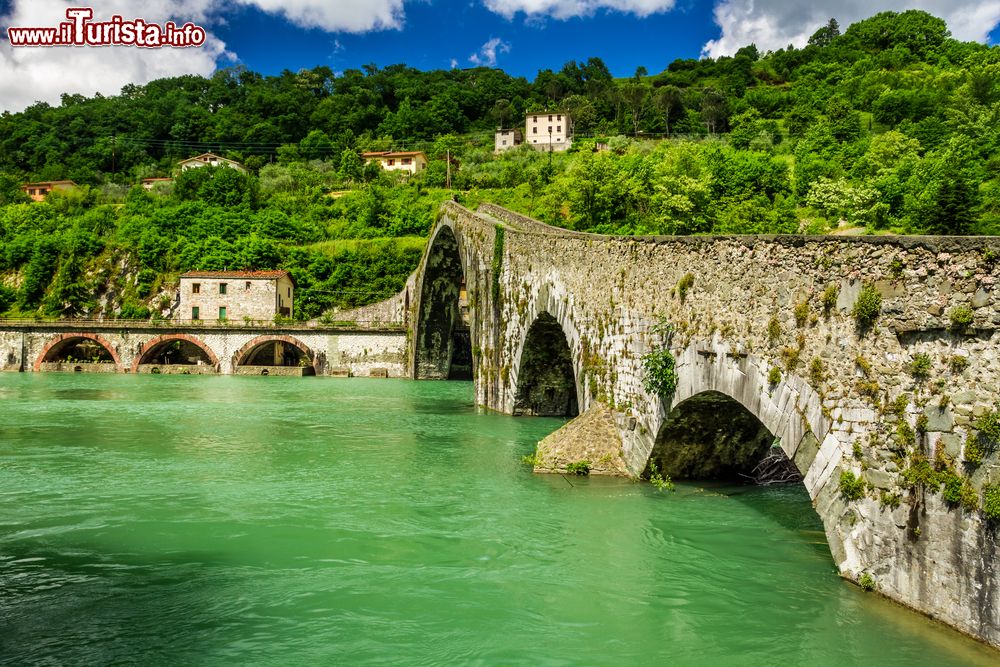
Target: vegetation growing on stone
867, 307
774, 376
920, 366
868, 389
973, 450
829, 298
683, 285
896, 268
957, 363
851, 487
960, 317
863, 365
773, 329
867, 582
801, 313
988, 426
890, 500
660, 376
578, 467
991, 502
817, 371
496, 266
790, 355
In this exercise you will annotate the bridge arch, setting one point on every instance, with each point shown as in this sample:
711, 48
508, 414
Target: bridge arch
545, 384
62, 345
156, 347
275, 350
442, 345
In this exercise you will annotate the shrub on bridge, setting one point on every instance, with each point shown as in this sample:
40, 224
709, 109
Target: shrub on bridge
851, 486
867, 307
661, 375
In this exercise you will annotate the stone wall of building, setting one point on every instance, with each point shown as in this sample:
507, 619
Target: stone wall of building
886, 403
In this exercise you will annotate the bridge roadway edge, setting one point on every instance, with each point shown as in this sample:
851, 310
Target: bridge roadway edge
837, 381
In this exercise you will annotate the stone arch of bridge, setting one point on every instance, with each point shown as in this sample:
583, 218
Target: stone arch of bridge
442, 344
733, 391
156, 345
550, 337
65, 341
545, 384
246, 354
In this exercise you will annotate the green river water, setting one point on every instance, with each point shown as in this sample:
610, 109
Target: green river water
315, 521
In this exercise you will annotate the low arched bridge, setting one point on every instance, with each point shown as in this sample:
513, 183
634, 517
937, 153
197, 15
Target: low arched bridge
872, 362
201, 348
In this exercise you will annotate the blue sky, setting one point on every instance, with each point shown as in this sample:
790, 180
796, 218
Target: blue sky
520, 36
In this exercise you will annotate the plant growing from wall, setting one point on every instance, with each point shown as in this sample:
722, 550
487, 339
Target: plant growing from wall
801, 313
773, 330
960, 317
896, 268
868, 389
988, 426
973, 455
660, 373
957, 363
867, 583
867, 307
829, 298
851, 487
817, 371
684, 285
991, 502
497, 264
578, 467
774, 376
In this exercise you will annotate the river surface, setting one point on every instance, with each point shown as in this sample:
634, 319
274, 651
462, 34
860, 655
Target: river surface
319, 521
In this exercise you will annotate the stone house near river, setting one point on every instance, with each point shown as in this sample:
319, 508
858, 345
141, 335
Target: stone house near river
235, 295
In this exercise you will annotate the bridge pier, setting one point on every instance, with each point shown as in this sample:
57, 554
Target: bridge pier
887, 417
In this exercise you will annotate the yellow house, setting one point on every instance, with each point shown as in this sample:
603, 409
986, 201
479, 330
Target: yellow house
408, 161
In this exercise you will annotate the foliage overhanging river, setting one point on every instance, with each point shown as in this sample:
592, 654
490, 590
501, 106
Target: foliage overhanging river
289, 521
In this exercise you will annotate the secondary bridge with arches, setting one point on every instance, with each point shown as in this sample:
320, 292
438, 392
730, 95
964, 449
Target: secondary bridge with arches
193, 348
769, 348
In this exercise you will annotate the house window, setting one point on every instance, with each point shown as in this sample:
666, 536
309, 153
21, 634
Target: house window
550, 118
196, 289
535, 130
406, 160
390, 162
550, 129
289, 292
248, 286
194, 313
222, 312
558, 128
503, 143
222, 288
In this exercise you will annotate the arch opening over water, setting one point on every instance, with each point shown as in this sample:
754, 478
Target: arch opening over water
443, 344
546, 383
711, 436
275, 351
78, 348
176, 351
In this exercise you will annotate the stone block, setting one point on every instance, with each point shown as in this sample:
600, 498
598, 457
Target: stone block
879, 479
938, 419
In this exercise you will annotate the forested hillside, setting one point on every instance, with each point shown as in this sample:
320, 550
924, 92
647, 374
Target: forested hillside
889, 126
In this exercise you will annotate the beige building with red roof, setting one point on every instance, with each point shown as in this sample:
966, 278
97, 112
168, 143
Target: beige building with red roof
408, 161
235, 295
37, 191
209, 160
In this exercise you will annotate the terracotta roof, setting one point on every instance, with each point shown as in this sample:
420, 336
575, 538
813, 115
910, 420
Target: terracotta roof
393, 154
258, 275
25, 185
198, 157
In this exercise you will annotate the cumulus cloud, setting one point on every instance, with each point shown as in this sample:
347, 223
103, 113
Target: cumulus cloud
28, 75
566, 9
32, 74
355, 16
774, 24
487, 54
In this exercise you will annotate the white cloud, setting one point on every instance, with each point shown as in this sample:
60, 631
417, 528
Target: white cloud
566, 9
337, 16
28, 75
774, 24
487, 54
454, 63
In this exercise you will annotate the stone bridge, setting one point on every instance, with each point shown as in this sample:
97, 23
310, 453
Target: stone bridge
201, 348
891, 419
